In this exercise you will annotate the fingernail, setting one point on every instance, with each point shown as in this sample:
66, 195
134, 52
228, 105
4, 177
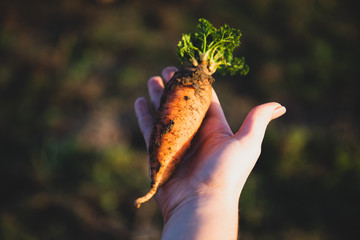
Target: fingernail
168, 72
279, 111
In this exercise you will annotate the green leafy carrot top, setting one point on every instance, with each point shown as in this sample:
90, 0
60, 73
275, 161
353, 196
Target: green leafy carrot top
212, 47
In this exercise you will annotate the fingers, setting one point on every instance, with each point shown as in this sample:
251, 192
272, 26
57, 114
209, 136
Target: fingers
144, 118
156, 85
168, 72
155, 89
278, 112
142, 109
253, 129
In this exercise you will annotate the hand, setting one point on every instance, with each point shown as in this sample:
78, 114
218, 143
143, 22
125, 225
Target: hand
202, 195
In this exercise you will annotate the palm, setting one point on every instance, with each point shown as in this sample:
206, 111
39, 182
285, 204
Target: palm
206, 165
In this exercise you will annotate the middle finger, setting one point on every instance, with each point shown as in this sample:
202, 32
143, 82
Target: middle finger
156, 89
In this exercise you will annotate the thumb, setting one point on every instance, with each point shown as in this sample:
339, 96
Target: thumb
253, 129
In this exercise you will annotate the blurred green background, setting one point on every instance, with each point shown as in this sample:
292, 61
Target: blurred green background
72, 156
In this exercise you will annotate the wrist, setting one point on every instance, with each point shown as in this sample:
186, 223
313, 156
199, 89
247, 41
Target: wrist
206, 216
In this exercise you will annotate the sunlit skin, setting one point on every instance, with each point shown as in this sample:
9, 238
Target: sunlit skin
200, 201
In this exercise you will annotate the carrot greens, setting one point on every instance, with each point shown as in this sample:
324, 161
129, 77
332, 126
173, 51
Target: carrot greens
212, 47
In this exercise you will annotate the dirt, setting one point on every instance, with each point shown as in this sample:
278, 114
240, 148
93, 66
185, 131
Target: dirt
190, 77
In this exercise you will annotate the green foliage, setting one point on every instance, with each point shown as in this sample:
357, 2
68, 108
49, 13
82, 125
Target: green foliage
213, 47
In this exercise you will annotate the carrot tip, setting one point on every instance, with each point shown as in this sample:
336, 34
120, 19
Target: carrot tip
146, 198
137, 205
139, 201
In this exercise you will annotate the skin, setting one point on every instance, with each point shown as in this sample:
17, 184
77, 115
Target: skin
200, 201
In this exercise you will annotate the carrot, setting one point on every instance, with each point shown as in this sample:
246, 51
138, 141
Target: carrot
187, 97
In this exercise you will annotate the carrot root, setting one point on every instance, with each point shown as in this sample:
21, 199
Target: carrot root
185, 101
146, 197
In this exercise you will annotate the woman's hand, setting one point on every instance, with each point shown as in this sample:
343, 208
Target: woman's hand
200, 200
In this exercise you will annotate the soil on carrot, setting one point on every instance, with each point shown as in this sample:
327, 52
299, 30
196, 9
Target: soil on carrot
190, 77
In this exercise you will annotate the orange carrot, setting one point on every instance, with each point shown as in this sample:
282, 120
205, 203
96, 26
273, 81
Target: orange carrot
187, 97
183, 106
